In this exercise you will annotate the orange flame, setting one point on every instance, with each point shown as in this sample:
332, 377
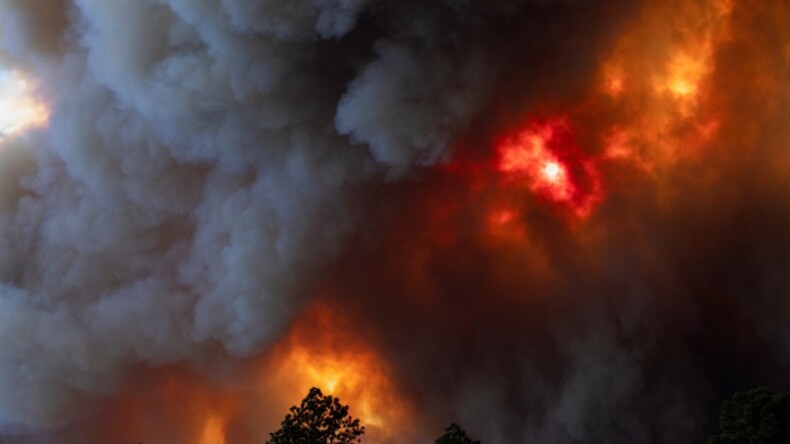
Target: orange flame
322, 351
659, 76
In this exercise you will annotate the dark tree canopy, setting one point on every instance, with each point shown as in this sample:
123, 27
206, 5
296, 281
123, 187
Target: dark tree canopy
757, 416
455, 435
318, 419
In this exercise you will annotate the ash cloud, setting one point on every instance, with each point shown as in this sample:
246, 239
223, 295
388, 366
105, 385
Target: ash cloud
210, 164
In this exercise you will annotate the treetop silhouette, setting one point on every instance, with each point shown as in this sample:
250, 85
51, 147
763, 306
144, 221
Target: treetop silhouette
319, 419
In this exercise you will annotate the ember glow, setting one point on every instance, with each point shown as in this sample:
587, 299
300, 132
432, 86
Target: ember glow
546, 221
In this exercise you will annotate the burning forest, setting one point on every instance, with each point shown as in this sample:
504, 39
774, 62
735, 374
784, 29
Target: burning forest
547, 221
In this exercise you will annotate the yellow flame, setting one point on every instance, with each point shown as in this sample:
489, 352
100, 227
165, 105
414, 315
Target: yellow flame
354, 376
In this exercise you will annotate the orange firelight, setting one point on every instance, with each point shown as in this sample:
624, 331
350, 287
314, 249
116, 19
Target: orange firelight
665, 106
213, 430
322, 351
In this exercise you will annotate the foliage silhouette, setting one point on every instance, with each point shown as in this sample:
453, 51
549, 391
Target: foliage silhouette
319, 419
455, 435
757, 416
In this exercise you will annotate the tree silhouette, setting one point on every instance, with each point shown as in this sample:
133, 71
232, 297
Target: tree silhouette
455, 435
319, 419
757, 416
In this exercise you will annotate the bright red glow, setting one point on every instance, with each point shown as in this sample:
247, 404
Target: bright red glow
530, 156
545, 158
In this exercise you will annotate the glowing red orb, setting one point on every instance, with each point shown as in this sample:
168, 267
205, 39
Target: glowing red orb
546, 159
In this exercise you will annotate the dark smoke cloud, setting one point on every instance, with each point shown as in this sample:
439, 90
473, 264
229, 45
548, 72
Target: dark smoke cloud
633, 328
209, 164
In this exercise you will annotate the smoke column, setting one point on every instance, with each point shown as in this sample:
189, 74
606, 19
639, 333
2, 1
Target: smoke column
548, 221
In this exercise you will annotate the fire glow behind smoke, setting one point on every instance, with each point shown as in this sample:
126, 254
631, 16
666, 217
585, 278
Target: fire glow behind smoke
547, 221
18, 109
323, 351
544, 156
664, 88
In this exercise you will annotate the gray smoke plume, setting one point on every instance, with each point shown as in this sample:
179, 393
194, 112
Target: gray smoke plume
197, 171
208, 164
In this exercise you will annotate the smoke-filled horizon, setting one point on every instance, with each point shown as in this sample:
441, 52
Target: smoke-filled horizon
548, 221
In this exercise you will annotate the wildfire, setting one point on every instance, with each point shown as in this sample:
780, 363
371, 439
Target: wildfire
320, 351
504, 223
530, 156
656, 97
554, 173
650, 107
173, 404
661, 86
685, 74
213, 430
502, 216
19, 109
546, 158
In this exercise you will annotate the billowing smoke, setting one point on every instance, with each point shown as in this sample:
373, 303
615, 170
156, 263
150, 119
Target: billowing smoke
550, 221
